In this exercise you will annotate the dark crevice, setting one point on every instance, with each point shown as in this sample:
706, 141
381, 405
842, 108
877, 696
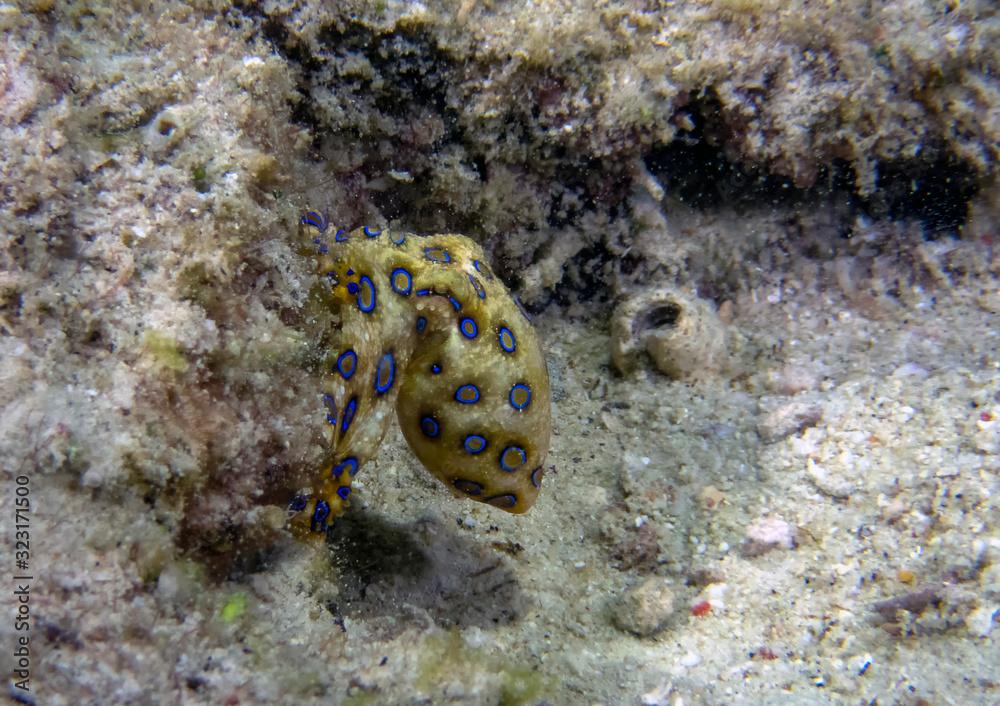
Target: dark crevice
936, 191
694, 169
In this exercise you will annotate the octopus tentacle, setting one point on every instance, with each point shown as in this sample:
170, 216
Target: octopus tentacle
426, 329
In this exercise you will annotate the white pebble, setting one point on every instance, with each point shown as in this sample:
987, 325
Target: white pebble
691, 659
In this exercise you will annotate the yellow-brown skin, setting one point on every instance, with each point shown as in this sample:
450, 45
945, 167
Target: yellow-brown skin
440, 338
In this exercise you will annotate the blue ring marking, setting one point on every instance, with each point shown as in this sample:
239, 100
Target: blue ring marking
407, 285
387, 368
347, 363
484, 270
349, 464
332, 276
475, 443
469, 487
468, 327
353, 288
504, 502
520, 387
323, 248
428, 292
344, 492
298, 503
367, 292
316, 220
372, 233
536, 477
350, 271
436, 368
467, 394
349, 410
322, 511
393, 238
331, 408
437, 254
341, 236
507, 340
478, 286
520, 307
512, 464
421, 323
430, 427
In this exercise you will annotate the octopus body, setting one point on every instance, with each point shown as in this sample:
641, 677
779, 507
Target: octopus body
428, 329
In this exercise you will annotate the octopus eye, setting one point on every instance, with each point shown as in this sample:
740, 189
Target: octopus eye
366, 294
401, 281
467, 394
468, 328
520, 396
507, 340
512, 458
397, 238
385, 374
347, 363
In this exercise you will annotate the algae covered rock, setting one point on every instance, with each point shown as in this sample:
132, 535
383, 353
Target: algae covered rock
645, 609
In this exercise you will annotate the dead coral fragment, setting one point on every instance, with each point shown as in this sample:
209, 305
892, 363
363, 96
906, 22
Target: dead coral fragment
681, 333
767, 533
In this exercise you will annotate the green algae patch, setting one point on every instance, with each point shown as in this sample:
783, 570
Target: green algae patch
522, 685
165, 351
234, 608
363, 698
199, 178
445, 655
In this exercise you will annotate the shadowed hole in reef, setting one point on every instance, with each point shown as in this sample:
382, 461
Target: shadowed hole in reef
665, 316
934, 188
425, 565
